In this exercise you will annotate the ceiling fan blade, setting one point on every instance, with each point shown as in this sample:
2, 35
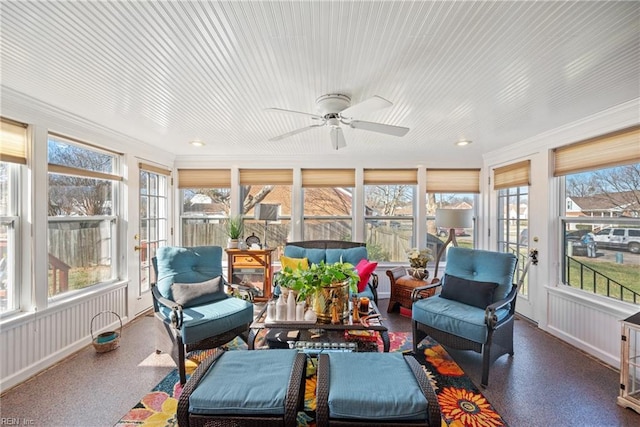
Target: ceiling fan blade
379, 127
368, 105
293, 132
281, 110
337, 138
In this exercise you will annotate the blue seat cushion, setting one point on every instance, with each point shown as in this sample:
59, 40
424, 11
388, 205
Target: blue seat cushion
315, 256
186, 265
483, 266
245, 382
208, 320
351, 255
454, 317
390, 393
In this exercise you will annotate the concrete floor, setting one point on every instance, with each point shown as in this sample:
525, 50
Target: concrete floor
546, 383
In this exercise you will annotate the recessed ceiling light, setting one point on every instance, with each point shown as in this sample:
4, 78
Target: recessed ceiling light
462, 142
197, 143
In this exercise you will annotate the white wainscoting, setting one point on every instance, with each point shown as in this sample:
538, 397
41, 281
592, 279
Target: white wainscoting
38, 340
590, 324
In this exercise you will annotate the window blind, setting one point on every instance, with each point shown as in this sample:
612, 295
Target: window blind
156, 169
69, 170
513, 175
328, 178
390, 176
453, 180
13, 141
266, 176
613, 149
204, 178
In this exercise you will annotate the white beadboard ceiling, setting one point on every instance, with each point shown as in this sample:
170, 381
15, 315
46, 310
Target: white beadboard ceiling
167, 72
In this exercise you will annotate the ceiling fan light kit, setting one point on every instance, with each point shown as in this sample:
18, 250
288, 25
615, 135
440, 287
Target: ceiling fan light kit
336, 109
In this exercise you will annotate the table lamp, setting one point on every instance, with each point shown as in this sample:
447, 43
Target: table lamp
451, 219
266, 212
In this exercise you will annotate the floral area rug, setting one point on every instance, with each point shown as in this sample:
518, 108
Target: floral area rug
461, 403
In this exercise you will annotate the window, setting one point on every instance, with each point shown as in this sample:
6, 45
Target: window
512, 182
450, 189
13, 142
436, 236
154, 210
600, 181
601, 245
389, 212
271, 187
83, 196
327, 201
205, 204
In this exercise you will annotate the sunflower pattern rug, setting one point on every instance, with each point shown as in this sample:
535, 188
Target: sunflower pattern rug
461, 403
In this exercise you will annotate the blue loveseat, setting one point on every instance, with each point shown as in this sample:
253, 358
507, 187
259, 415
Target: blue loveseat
332, 251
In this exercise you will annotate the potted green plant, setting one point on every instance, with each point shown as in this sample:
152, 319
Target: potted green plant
234, 227
324, 286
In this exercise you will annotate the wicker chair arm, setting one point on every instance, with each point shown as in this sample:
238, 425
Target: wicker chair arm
295, 390
435, 417
416, 294
176, 309
322, 390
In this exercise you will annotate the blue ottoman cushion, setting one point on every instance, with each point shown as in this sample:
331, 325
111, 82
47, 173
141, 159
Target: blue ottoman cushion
389, 392
245, 382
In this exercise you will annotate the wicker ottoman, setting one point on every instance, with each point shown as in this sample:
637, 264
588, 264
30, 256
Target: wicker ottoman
244, 388
398, 393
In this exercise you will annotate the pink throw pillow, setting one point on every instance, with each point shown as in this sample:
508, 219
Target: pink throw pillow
365, 269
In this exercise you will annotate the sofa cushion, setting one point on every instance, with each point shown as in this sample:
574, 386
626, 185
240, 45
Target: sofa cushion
228, 314
483, 266
351, 255
294, 263
186, 265
454, 317
188, 294
315, 256
477, 294
400, 399
229, 388
365, 268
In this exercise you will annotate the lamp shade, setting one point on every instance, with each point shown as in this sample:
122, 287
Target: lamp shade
454, 218
266, 212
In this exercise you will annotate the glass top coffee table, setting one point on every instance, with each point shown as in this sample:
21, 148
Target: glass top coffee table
324, 331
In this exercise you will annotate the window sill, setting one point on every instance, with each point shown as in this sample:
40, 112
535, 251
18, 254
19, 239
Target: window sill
619, 309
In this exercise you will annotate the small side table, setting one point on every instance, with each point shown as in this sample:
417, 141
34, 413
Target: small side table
629, 396
402, 285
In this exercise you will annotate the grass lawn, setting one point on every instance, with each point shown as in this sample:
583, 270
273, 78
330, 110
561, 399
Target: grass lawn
603, 275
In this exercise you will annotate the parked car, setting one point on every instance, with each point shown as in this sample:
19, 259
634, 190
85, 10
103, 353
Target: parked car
619, 238
443, 232
574, 238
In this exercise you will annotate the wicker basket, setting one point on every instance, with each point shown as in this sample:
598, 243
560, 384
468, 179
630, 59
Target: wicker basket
109, 340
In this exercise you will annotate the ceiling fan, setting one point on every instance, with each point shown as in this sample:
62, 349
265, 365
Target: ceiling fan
336, 110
